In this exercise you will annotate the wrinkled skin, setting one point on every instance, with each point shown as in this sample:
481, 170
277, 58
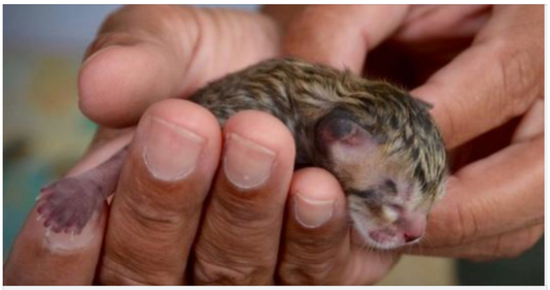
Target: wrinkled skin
494, 205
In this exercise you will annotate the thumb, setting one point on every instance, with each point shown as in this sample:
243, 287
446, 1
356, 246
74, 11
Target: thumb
143, 54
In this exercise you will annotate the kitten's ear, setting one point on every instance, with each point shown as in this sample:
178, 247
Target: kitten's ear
341, 137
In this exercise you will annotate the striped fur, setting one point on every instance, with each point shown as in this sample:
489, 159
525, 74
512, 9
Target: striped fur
299, 94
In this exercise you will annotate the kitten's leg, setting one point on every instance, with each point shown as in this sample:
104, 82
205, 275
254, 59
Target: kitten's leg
69, 203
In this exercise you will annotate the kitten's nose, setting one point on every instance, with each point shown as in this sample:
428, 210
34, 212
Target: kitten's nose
414, 228
411, 237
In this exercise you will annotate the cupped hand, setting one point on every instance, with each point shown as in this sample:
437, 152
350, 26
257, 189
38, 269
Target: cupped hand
480, 67
195, 204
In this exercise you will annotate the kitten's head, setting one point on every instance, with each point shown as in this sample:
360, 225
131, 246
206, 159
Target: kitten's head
390, 158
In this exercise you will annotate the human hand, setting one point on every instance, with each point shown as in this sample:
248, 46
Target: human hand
206, 223
480, 67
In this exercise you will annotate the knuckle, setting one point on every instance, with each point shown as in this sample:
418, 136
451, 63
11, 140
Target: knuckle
151, 205
151, 216
113, 272
254, 214
209, 272
449, 126
460, 226
224, 260
318, 247
454, 125
309, 260
517, 78
150, 208
461, 222
301, 273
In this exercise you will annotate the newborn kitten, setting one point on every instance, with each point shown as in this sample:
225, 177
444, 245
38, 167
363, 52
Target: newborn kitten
376, 139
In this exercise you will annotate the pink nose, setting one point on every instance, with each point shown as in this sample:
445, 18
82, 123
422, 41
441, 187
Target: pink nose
414, 228
411, 237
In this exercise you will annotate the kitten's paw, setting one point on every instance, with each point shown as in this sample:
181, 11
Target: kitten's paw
68, 204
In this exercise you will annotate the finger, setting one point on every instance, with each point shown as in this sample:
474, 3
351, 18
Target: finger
239, 239
146, 53
316, 243
41, 257
340, 36
531, 125
501, 193
157, 205
501, 73
428, 22
507, 245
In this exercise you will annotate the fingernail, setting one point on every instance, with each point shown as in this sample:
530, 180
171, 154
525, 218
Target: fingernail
72, 241
171, 152
312, 213
247, 164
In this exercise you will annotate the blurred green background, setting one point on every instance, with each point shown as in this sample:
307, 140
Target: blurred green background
44, 134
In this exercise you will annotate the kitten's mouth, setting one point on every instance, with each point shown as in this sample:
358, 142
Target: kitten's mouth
391, 239
404, 232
